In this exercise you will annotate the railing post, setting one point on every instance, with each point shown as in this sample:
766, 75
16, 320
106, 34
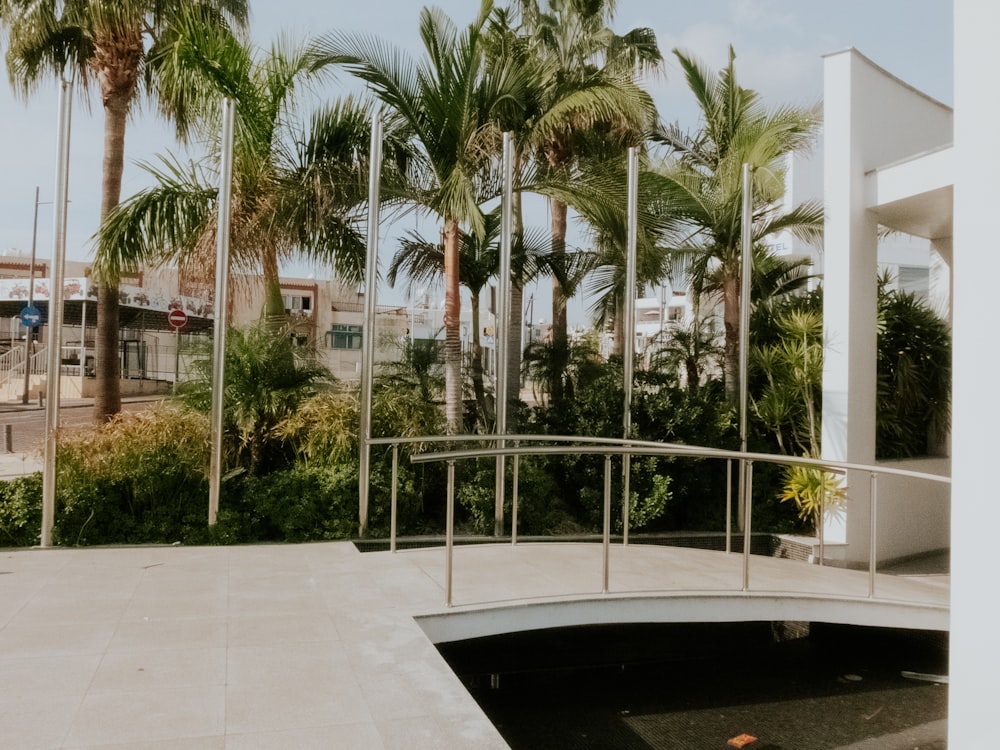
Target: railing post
747, 506
513, 500
729, 505
821, 531
449, 534
873, 536
392, 502
606, 543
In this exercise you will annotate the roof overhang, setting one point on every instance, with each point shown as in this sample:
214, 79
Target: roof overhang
914, 196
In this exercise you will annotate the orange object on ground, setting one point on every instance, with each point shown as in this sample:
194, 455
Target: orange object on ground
741, 740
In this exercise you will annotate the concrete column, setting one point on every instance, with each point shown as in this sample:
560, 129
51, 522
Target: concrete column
975, 653
849, 295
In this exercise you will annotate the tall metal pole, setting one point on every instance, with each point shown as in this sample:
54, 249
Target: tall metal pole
747, 269
53, 360
30, 330
628, 347
501, 337
221, 306
368, 336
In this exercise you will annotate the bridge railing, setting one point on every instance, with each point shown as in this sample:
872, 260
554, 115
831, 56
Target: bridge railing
516, 446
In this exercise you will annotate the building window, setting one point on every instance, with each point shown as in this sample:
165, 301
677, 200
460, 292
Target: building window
298, 304
344, 337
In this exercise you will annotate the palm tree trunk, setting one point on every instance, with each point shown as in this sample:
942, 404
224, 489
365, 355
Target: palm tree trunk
618, 342
452, 334
274, 303
731, 321
108, 395
559, 325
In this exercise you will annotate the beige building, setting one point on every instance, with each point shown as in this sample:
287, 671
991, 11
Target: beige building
154, 349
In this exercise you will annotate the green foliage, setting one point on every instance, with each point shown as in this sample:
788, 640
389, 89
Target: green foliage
914, 377
21, 511
790, 400
137, 479
268, 375
813, 491
308, 502
325, 427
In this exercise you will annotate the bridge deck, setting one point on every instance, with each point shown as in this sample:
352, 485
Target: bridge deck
319, 645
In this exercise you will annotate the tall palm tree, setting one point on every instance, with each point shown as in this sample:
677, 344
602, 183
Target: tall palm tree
703, 179
108, 45
579, 53
421, 261
299, 184
452, 102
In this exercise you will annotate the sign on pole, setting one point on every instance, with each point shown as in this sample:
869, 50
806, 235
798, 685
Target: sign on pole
31, 316
177, 318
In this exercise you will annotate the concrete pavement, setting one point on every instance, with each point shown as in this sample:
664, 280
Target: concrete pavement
319, 645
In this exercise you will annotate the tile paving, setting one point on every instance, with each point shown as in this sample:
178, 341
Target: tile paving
304, 646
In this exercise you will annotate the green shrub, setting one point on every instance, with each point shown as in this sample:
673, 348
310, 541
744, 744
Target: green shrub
21, 511
307, 502
137, 479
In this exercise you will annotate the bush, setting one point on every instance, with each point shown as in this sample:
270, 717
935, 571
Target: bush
21, 511
138, 479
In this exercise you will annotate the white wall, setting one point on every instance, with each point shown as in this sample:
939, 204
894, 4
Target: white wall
975, 653
914, 515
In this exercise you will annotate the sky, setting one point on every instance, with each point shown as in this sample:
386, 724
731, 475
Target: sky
779, 46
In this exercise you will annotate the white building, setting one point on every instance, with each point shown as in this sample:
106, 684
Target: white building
895, 157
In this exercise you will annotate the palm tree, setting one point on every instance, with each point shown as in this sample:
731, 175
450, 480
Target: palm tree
703, 178
109, 45
585, 85
452, 103
299, 187
421, 261
268, 376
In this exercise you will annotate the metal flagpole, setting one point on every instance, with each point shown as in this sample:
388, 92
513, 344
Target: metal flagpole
628, 346
30, 330
53, 358
747, 269
221, 305
501, 334
368, 335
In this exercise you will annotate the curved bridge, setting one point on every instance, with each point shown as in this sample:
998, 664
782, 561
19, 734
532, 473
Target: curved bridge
503, 588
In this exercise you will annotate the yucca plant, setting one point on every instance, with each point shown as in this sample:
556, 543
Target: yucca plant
814, 493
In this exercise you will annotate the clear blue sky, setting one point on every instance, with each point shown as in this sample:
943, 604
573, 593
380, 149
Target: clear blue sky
779, 44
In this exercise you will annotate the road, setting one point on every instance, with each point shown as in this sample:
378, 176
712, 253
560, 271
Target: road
28, 422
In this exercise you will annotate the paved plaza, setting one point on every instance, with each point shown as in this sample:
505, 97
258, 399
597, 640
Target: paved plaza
306, 646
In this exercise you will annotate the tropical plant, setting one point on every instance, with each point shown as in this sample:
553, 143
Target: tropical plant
560, 368
451, 103
704, 178
789, 403
421, 260
814, 492
913, 393
268, 376
585, 97
299, 185
692, 352
564, 102
117, 47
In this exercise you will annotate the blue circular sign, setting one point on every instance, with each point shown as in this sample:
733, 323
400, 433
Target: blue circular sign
31, 316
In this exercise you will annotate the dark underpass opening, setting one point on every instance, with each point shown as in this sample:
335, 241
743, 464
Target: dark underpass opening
759, 685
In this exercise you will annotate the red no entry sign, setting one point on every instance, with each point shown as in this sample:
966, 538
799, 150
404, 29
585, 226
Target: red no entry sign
177, 318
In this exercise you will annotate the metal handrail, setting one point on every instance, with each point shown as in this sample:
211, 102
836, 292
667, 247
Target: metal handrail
513, 446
